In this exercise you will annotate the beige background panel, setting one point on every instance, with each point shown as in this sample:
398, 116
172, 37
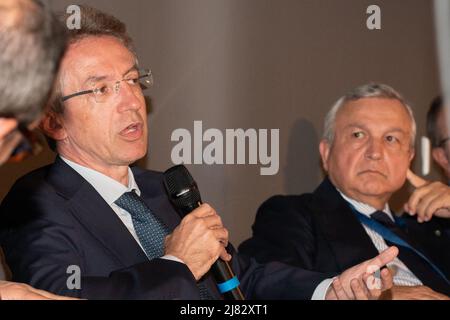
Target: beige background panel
265, 65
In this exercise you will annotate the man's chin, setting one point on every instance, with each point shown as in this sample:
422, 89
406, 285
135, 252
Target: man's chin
376, 190
132, 157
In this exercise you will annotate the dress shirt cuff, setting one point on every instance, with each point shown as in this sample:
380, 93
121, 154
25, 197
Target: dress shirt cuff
172, 258
322, 289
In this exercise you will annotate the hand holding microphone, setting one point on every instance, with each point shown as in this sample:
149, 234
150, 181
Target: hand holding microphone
200, 238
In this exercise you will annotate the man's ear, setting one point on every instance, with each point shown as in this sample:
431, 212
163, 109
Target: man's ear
412, 154
52, 126
324, 149
440, 157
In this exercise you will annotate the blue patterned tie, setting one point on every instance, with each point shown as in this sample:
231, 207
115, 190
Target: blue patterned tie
150, 230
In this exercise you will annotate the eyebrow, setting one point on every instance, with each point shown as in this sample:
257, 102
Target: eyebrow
133, 68
100, 78
353, 125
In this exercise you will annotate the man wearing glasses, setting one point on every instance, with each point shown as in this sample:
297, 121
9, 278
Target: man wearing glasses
93, 227
31, 45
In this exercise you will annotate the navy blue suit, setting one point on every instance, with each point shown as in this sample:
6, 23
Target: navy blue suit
320, 232
52, 218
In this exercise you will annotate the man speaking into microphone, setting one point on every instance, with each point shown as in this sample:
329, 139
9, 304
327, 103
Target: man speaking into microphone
94, 227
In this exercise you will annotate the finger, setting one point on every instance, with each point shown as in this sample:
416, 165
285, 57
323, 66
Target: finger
415, 180
213, 222
224, 255
387, 279
428, 204
6, 127
339, 290
438, 205
221, 235
418, 194
406, 209
204, 210
373, 289
358, 290
383, 258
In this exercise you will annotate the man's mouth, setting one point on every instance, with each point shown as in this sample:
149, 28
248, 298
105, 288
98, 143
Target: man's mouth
133, 131
372, 172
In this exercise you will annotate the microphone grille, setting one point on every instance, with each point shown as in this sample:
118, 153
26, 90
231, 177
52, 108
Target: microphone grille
178, 179
182, 189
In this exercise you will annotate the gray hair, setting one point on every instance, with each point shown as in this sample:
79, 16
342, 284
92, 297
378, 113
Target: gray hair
371, 90
32, 42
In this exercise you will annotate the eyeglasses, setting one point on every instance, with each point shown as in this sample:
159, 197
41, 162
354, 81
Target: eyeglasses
30, 145
105, 90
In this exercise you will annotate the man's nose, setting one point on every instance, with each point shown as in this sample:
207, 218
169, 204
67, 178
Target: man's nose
129, 98
374, 149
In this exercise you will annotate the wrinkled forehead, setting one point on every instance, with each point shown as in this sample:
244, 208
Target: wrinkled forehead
95, 56
378, 113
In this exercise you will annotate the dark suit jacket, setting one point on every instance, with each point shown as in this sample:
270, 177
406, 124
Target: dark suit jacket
320, 232
52, 218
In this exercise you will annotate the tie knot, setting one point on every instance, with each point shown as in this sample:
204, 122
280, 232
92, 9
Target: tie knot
382, 217
132, 203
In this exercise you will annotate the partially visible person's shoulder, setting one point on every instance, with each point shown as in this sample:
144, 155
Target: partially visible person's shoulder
31, 197
285, 203
32, 181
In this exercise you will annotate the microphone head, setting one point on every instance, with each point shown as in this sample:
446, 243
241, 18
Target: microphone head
182, 189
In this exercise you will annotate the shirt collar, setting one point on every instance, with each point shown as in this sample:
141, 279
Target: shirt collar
109, 189
364, 208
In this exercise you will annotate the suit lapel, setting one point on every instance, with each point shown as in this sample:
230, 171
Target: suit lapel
346, 236
96, 216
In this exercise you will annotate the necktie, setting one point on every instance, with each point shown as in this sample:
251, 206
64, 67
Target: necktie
421, 266
383, 218
150, 230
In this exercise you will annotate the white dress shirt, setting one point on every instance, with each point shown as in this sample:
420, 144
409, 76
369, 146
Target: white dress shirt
402, 277
111, 190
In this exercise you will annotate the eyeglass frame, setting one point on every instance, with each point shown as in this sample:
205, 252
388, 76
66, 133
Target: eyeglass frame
148, 73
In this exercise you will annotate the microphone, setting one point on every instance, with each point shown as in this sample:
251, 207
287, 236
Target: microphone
185, 196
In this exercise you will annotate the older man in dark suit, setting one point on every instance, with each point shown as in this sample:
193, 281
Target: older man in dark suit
367, 148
